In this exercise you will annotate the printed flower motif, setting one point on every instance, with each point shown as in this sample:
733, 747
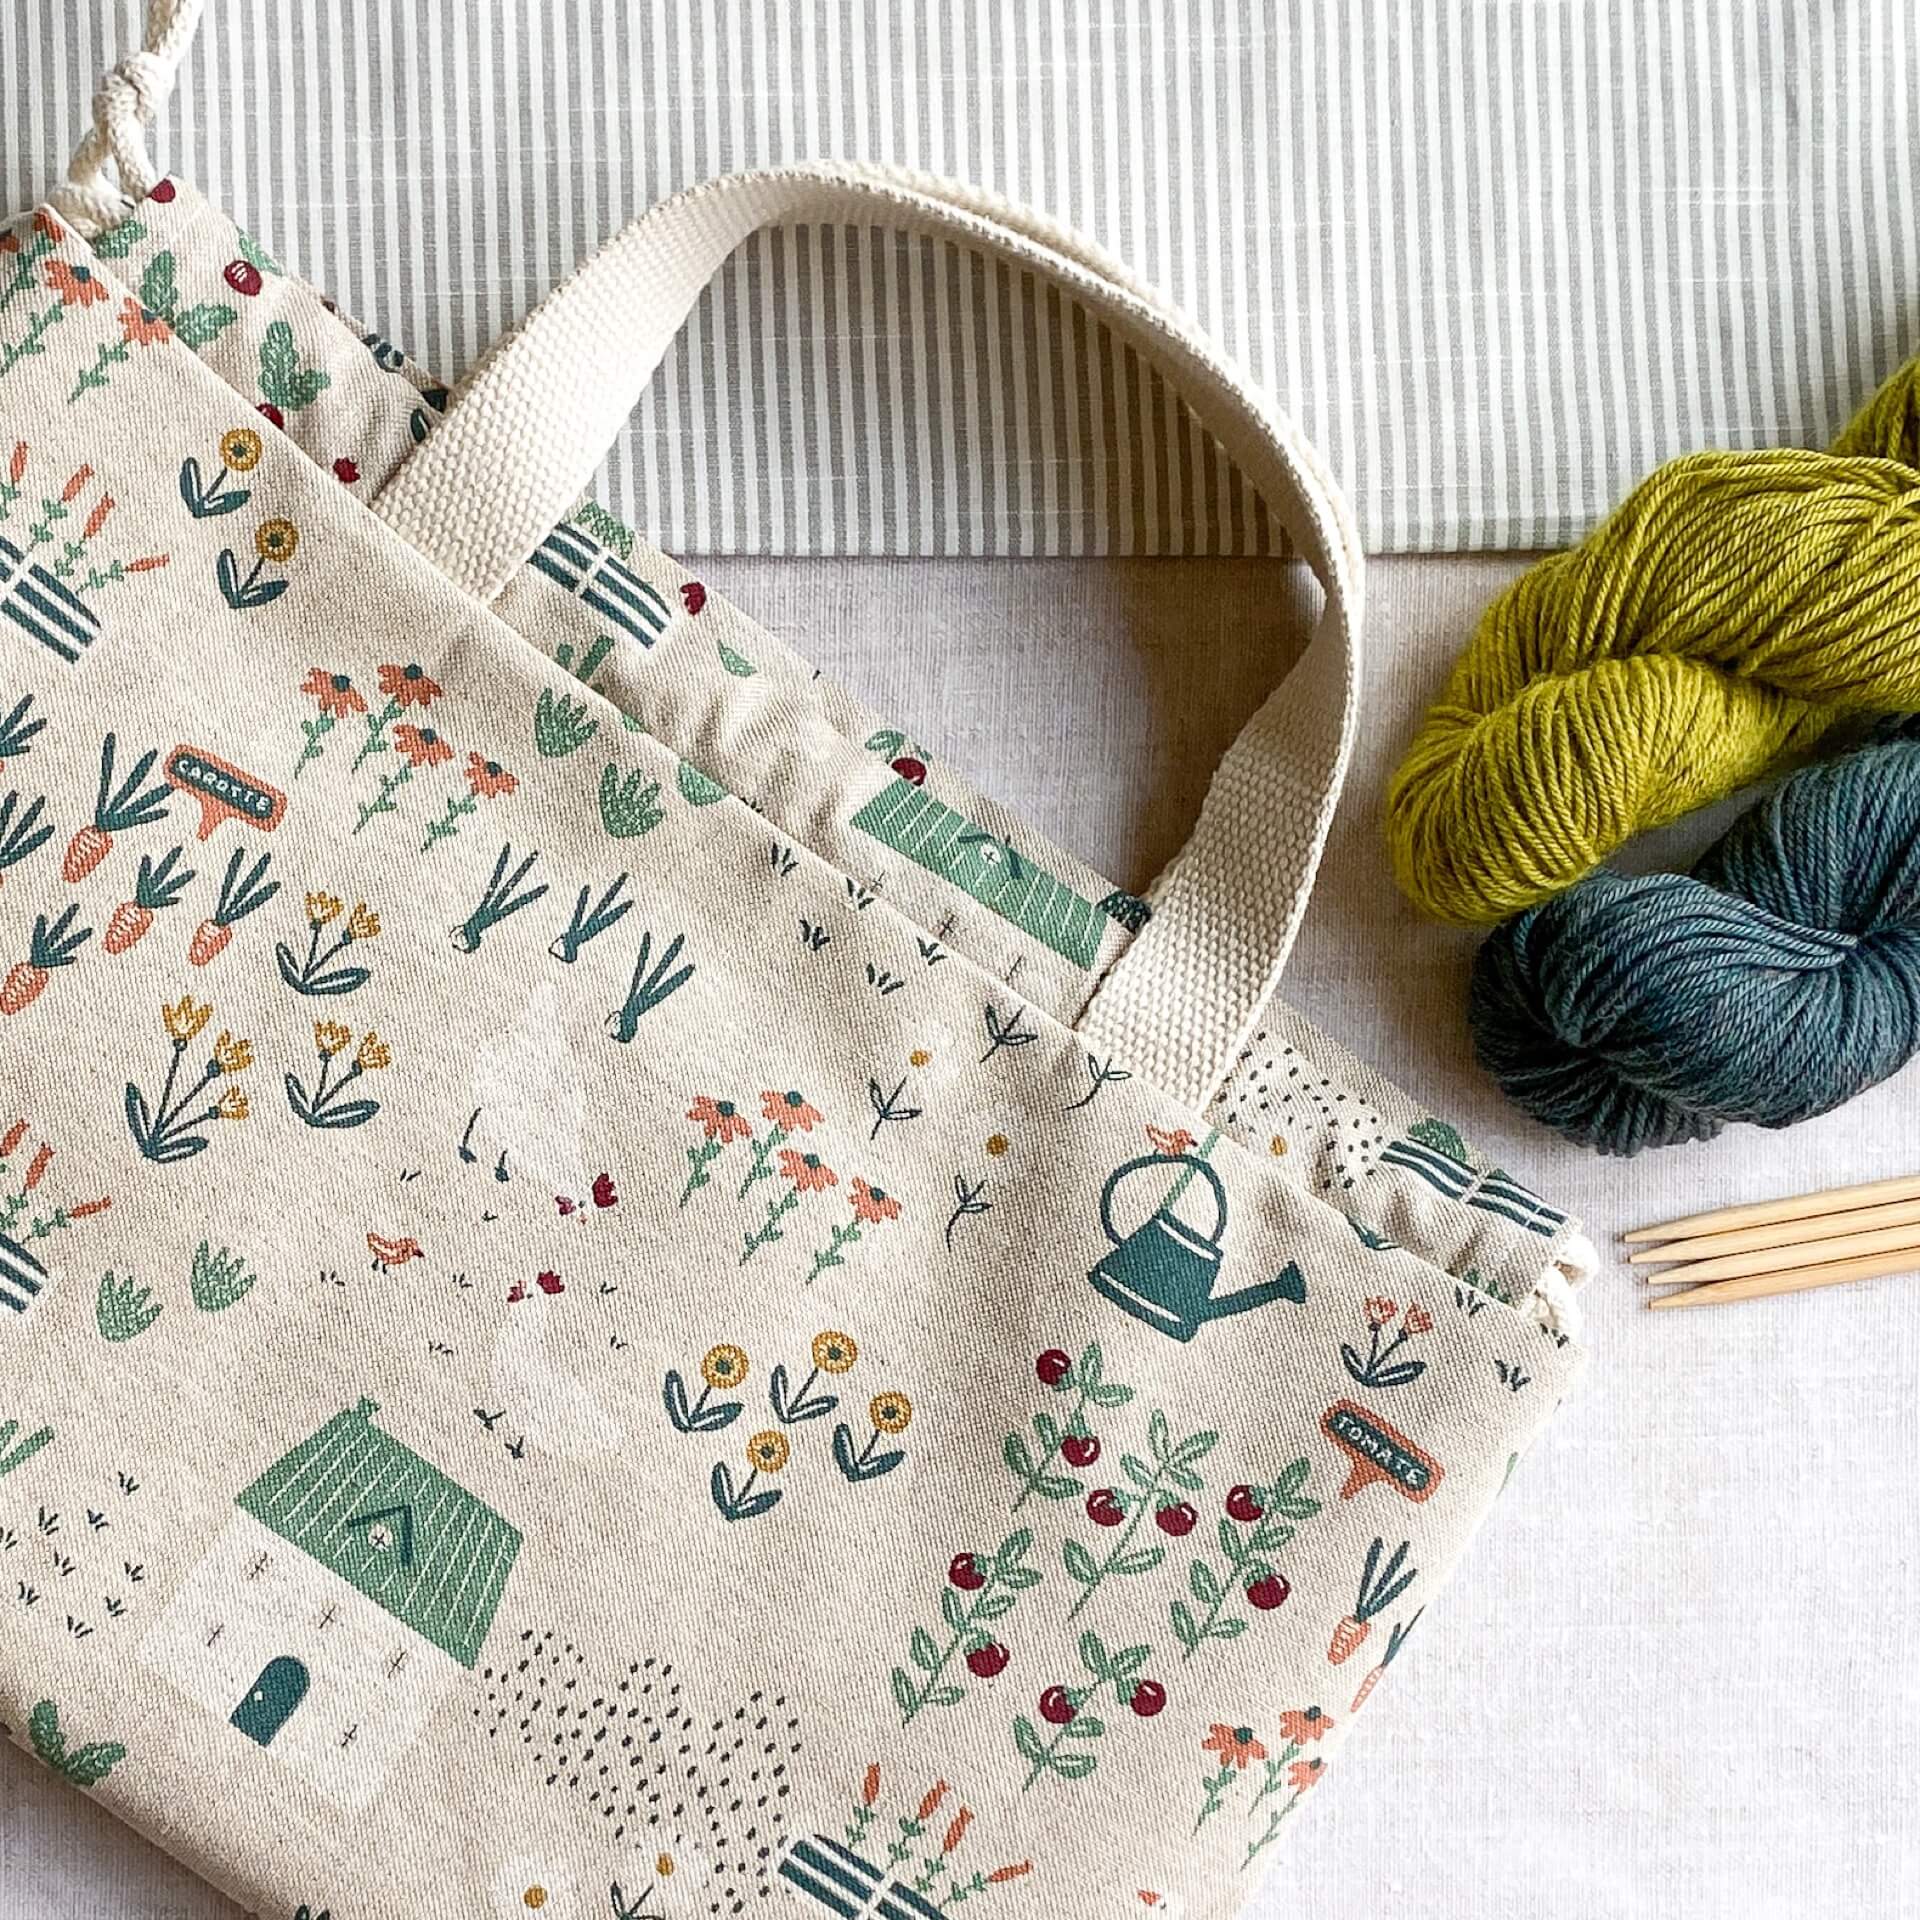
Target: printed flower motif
890, 1412
486, 779
231, 1055
1303, 1773
372, 1053
408, 686
363, 923
834, 1352
47, 227
333, 693
1419, 1320
1170, 1142
721, 1120
330, 1037
276, 540
141, 326
724, 1366
232, 1105
768, 1452
75, 285
789, 1110
240, 453
873, 1204
183, 1022
422, 746
1380, 1310
1236, 1746
322, 907
808, 1172
1305, 1725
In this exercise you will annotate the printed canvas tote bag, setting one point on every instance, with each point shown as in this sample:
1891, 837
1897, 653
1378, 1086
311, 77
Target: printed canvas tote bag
618, 1297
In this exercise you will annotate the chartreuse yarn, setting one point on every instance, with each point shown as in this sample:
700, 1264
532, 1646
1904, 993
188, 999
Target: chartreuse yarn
1721, 620
1776, 980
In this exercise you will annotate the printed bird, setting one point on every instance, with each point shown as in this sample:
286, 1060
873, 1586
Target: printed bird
388, 1254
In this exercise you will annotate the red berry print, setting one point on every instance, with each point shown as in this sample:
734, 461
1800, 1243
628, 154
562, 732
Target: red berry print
345, 471
1081, 1449
1268, 1593
1242, 1505
517, 1292
988, 1662
1148, 1698
242, 276
963, 1571
912, 771
163, 191
268, 410
549, 1282
1104, 1508
693, 596
603, 1193
1052, 1367
1056, 1707
1177, 1521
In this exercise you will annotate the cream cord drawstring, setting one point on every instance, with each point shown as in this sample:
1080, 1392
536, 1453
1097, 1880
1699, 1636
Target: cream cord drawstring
129, 96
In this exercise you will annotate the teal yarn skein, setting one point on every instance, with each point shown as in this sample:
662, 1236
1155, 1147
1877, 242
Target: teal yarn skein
1775, 981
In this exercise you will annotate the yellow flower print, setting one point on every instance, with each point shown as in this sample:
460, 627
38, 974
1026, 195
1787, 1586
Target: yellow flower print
183, 1022
276, 540
322, 907
724, 1366
363, 923
767, 1452
231, 1055
891, 1412
240, 450
373, 1053
834, 1352
233, 1105
329, 1036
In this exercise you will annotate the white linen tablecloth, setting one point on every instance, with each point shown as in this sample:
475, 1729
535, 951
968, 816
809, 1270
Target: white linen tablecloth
1674, 1679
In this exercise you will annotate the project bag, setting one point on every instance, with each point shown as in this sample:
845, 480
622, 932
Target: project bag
620, 1298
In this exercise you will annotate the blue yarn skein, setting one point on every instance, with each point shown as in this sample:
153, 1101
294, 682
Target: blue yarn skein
1778, 979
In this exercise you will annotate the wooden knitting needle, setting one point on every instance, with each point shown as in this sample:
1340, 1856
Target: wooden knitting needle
1758, 1286
1803, 1206
1736, 1266
1788, 1233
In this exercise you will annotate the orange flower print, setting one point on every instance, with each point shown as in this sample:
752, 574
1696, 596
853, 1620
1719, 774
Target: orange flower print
809, 1173
487, 779
422, 746
1236, 1746
1305, 1725
873, 1204
141, 326
1303, 1773
333, 693
47, 227
1383, 1364
806, 1173
1380, 1310
408, 686
75, 285
720, 1119
1174, 1142
789, 1112
1419, 1320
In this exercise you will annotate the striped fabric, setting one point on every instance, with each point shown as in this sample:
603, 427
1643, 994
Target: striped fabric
1490, 1192
21, 1276
580, 564
45, 609
1499, 258
839, 1880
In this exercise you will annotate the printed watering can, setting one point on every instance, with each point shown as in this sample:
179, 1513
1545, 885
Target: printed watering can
1164, 1272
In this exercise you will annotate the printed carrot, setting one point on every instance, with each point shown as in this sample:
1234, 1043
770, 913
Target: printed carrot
1395, 1641
115, 810
156, 887
1380, 1587
239, 896
51, 946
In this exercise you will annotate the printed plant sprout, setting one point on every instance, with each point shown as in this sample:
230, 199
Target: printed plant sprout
117, 808
244, 890
1068, 1749
1380, 1586
53, 944
723, 1370
157, 886
652, 982
832, 1354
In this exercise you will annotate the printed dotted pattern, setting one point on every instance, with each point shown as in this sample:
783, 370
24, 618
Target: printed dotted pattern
1276, 1101
643, 1759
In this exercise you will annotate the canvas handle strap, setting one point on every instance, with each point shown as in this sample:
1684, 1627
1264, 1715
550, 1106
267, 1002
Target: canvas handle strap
124, 106
529, 425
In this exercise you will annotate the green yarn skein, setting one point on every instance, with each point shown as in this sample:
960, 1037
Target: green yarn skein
1720, 620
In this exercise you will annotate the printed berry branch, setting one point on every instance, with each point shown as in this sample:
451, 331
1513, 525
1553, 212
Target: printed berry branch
1083, 1379
1061, 1708
1172, 1471
991, 1588
1264, 1512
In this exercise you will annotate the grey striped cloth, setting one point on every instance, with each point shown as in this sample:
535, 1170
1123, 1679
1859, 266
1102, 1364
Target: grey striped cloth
1498, 256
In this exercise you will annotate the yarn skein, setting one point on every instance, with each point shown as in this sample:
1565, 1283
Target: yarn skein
1730, 610
1777, 980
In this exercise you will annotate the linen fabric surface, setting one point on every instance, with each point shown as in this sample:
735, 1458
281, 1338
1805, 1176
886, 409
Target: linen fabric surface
1499, 261
586, 1341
